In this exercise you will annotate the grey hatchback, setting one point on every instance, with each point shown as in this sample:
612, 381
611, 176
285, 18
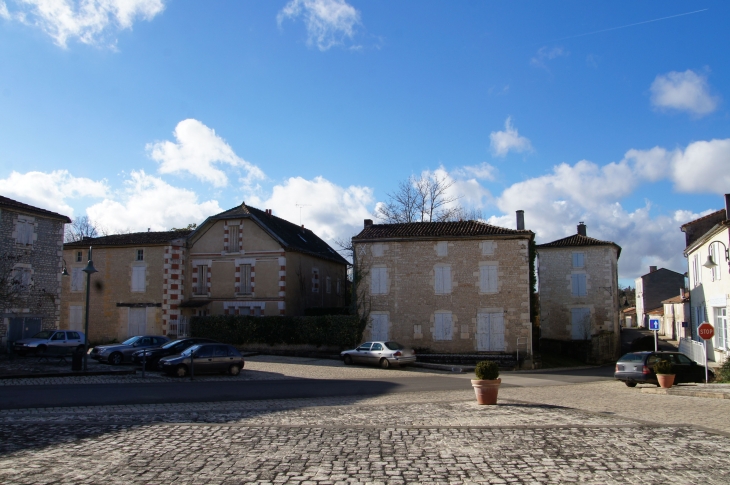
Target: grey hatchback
384, 354
204, 359
638, 368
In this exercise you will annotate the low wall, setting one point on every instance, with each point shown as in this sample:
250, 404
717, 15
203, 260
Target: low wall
601, 349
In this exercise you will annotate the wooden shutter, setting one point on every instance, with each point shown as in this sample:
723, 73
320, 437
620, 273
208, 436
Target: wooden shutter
578, 260
439, 273
138, 278
77, 279
496, 332
446, 278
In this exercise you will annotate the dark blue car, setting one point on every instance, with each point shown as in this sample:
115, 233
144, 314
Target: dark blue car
638, 368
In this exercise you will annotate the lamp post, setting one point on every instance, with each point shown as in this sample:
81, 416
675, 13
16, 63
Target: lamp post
89, 270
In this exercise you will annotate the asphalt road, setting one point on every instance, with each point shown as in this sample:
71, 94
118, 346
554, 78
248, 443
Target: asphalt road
15, 397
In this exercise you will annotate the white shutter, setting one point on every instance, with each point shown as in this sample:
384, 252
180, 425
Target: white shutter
439, 273
496, 332
383, 281
578, 260
447, 279
493, 285
138, 278
582, 288
137, 321
75, 317
375, 281
77, 279
483, 332
484, 279
447, 331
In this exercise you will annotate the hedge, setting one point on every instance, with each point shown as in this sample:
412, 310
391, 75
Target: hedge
327, 330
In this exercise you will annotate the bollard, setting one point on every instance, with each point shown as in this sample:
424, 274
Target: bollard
192, 367
144, 362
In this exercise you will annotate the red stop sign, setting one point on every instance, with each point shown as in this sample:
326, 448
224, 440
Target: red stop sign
706, 331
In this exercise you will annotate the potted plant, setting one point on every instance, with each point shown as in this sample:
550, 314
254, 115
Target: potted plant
664, 371
486, 385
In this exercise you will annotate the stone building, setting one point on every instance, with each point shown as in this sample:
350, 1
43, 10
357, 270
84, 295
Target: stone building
676, 317
138, 273
31, 262
578, 279
241, 261
451, 287
652, 289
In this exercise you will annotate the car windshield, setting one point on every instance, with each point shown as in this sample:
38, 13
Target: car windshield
44, 334
171, 344
131, 341
394, 346
190, 350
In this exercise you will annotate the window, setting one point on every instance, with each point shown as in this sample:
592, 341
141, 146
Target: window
202, 286
487, 248
220, 351
233, 239
77, 279
140, 255
721, 328
378, 281
580, 320
488, 279
714, 252
315, 280
245, 278
696, 270
139, 276
328, 285
578, 284
365, 346
377, 250
490, 332
376, 348
75, 317
443, 327
73, 335
78, 256
442, 248
22, 279
24, 231
339, 286
578, 260
59, 336
442, 279
379, 326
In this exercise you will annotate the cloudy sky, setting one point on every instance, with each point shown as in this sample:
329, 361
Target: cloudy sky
158, 113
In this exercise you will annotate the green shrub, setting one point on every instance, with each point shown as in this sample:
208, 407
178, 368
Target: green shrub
663, 367
342, 331
723, 375
487, 370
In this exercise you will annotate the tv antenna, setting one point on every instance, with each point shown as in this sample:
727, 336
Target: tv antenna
300, 211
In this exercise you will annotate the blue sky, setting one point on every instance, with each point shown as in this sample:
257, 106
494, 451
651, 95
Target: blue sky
157, 113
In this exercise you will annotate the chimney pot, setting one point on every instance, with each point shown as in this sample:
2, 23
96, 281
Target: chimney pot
368, 222
582, 229
727, 207
520, 220
652, 269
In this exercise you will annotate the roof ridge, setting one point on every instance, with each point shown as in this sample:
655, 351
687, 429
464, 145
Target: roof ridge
14, 204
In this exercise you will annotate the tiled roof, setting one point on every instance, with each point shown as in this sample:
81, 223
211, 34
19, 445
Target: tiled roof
656, 311
579, 240
293, 237
437, 229
676, 299
14, 204
719, 215
131, 239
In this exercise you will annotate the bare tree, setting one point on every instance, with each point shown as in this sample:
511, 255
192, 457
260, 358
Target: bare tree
419, 199
82, 227
15, 284
462, 214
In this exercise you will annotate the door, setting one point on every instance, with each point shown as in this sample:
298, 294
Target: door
204, 359
379, 327
490, 332
220, 358
137, 322
21, 328
58, 339
362, 352
376, 352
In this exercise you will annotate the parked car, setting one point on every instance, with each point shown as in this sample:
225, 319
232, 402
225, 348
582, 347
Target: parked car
206, 358
638, 367
173, 347
384, 354
116, 354
39, 342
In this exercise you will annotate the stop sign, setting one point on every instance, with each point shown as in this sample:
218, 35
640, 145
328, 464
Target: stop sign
706, 331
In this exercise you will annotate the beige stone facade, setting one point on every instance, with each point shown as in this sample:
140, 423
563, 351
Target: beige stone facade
460, 287
578, 286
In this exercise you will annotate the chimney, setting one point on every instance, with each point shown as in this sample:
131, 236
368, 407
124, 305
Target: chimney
520, 220
268, 212
368, 222
681, 293
727, 207
652, 269
582, 229
148, 229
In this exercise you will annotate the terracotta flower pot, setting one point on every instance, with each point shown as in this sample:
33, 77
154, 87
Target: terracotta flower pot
487, 390
665, 380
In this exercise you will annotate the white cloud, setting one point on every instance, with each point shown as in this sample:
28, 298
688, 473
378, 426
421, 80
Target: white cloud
89, 21
4, 10
504, 141
51, 190
484, 171
146, 202
331, 211
683, 91
652, 164
545, 54
328, 22
196, 150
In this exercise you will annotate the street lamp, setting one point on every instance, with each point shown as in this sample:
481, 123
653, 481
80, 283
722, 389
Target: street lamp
710, 263
89, 270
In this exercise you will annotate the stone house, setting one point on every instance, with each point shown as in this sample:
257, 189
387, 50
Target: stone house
707, 241
246, 261
31, 262
652, 289
675, 323
129, 294
451, 287
578, 280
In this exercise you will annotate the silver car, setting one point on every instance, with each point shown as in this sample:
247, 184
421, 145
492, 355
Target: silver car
384, 354
40, 342
116, 354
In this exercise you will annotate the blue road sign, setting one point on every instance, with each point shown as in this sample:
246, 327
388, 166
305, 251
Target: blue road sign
653, 324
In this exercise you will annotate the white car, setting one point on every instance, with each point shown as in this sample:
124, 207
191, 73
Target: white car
40, 342
384, 354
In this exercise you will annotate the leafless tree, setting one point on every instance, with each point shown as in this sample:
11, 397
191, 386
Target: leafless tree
14, 287
82, 227
462, 214
419, 199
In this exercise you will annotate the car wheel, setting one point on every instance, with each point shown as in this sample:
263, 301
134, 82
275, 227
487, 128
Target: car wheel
234, 370
116, 358
384, 363
181, 371
630, 384
41, 349
348, 360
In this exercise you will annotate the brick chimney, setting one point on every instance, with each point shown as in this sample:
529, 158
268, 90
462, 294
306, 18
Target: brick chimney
727, 207
368, 222
582, 229
520, 220
652, 269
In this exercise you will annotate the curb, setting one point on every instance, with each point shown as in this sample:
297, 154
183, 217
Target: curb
444, 367
69, 374
689, 393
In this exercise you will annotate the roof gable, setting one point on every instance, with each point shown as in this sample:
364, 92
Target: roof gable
14, 204
577, 240
417, 230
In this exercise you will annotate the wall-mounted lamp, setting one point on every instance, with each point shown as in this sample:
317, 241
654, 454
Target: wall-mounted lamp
710, 263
